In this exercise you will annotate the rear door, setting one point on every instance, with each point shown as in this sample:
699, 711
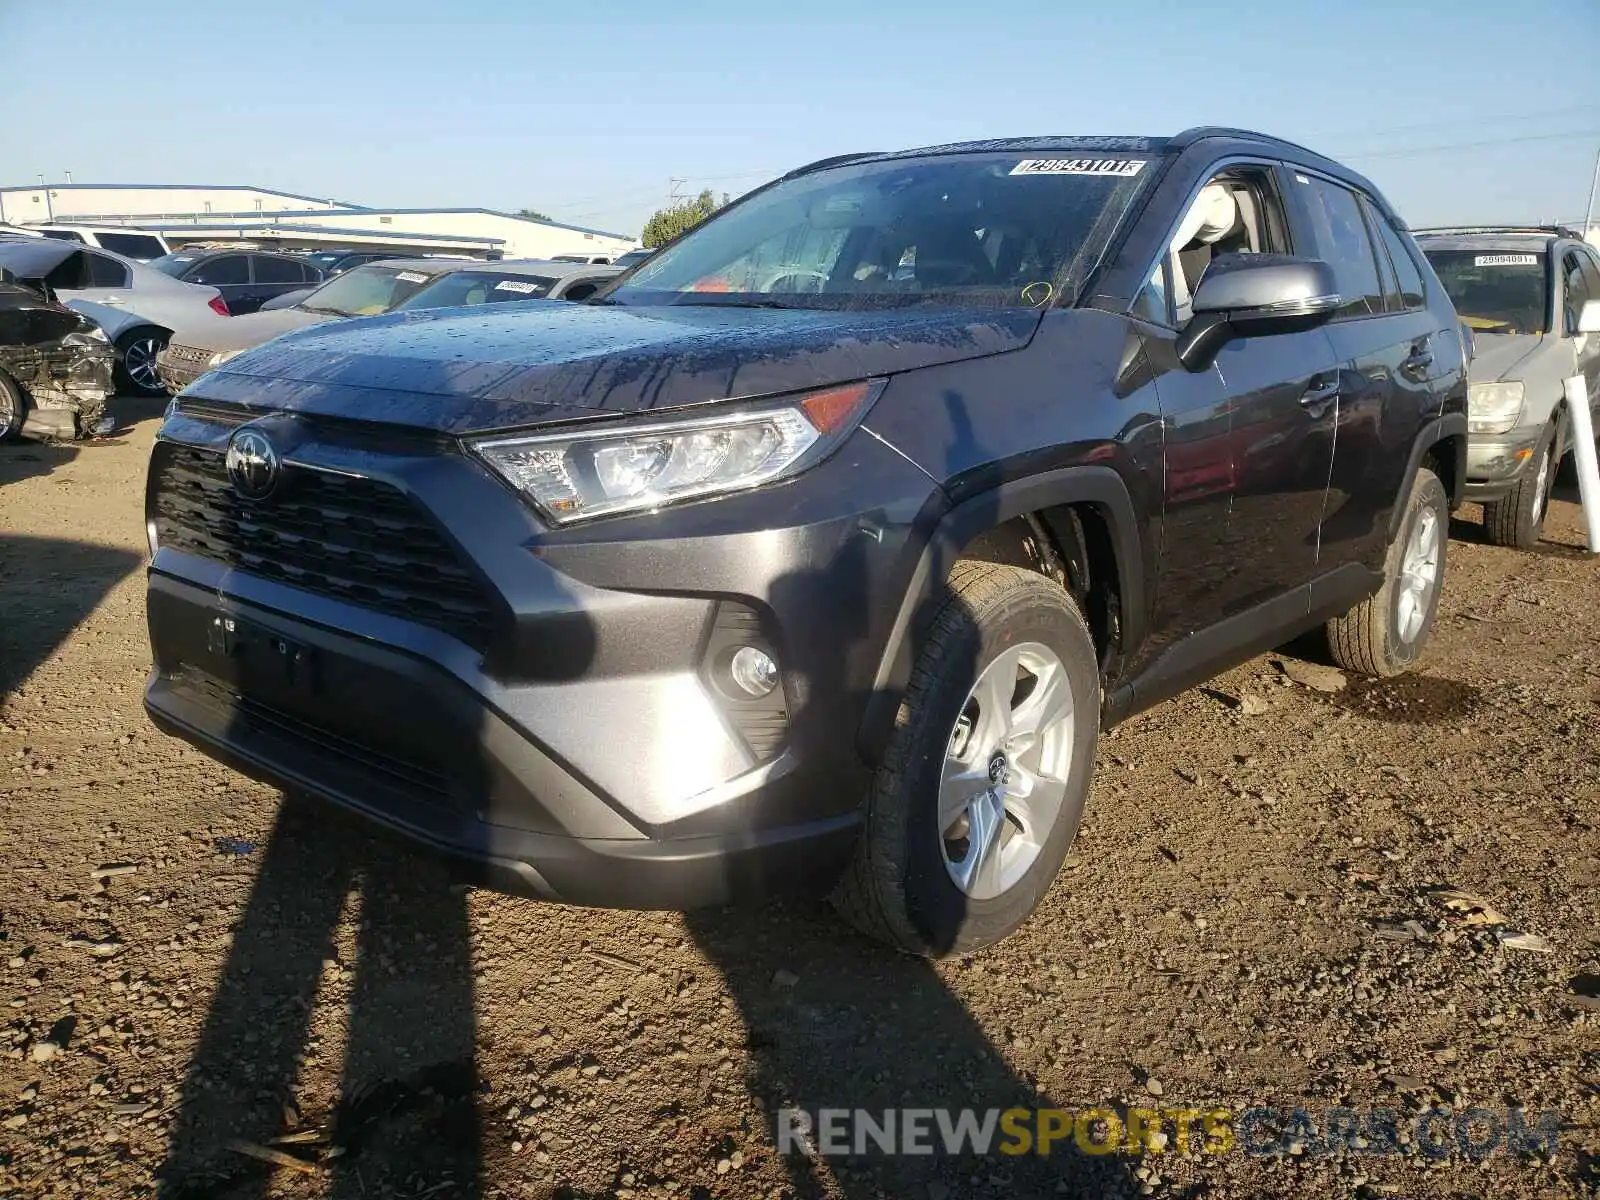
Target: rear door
271, 276
101, 278
230, 275
1384, 337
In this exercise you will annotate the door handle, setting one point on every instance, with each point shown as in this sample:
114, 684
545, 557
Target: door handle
1415, 365
1319, 395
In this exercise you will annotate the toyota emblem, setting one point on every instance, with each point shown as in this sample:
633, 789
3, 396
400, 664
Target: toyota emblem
252, 464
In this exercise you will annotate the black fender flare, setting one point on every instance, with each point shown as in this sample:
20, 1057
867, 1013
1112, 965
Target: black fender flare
1100, 486
1451, 424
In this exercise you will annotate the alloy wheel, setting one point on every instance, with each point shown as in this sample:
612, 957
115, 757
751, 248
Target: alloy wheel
139, 361
1419, 576
1005, 771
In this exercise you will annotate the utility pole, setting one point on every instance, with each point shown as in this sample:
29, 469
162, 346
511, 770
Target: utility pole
1588, 212
675, 191
68, 174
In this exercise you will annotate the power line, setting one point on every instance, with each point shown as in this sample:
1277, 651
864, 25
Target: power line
1416, 151
1458, 121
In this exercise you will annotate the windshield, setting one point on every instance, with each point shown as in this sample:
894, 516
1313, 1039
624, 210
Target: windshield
985, 229
478, 287
175, 264
366, 291
1495, 291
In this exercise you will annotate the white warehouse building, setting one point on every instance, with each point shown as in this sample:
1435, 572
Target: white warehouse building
185, 213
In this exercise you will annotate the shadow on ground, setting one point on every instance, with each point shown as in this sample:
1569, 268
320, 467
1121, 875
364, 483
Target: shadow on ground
47, 587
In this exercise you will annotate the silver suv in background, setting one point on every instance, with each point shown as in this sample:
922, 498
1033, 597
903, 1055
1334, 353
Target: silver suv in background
1531, 297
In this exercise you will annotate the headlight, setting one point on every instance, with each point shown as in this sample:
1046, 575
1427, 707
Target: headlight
220, 357
93, 335
1493, 407
640, 466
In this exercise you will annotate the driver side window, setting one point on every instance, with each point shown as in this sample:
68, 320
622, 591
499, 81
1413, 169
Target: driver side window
1236, 212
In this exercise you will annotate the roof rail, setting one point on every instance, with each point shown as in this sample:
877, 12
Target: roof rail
1555, 230
1204, 131
838, 160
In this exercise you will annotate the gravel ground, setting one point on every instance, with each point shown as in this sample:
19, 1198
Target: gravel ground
197, 972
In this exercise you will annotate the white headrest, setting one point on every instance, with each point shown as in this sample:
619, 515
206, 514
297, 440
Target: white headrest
1213, 213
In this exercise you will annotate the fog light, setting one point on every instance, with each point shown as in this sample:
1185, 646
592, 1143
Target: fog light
753, 671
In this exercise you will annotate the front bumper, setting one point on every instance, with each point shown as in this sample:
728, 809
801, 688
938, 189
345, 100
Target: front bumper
178, 366
1496, 461
580, 753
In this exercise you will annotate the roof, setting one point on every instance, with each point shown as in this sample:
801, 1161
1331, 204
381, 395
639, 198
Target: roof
266, 227
546, 267
170, 187
1526, 243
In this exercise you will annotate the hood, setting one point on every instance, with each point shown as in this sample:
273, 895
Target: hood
242, 333
1498, 355
493, 367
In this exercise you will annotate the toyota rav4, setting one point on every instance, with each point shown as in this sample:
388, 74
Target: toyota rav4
816, 553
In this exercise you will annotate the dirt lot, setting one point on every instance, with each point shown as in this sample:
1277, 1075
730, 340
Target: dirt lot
1250, 919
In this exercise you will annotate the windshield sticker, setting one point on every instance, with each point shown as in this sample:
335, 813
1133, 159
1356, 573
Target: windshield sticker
1506, 260
1121, 167
411, 277
518, 285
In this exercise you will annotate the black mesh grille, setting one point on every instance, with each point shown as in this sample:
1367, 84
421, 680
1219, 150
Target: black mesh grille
355, 540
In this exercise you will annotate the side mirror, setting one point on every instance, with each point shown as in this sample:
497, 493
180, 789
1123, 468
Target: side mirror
1256, 295
1589, 317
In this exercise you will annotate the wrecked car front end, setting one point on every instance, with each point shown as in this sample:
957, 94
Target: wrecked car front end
55, 368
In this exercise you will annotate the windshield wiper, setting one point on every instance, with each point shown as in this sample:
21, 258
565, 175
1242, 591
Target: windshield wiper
332, 312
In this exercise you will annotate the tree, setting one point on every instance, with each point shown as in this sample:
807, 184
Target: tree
669, 222
532, 214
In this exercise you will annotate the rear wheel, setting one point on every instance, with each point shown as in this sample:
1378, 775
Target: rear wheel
13, 408
136, 361
982, 787
1517, 518
1384, 635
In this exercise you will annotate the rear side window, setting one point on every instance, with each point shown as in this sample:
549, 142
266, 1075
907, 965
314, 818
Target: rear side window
104, 272
132, 245
1399, 254
277, 270
1343, 243
227, 268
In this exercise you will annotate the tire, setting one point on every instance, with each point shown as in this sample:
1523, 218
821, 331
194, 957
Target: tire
902, 886
13, 409
1385, 634
1517, 518
138, 374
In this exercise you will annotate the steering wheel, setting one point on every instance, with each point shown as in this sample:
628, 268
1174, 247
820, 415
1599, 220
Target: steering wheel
797, 273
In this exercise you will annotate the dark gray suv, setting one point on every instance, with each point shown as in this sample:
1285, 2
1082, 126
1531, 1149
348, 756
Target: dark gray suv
816, 552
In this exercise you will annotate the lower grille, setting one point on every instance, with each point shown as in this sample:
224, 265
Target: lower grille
356, 540
414, 779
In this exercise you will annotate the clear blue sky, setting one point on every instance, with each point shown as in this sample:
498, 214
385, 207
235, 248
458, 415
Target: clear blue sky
586, 110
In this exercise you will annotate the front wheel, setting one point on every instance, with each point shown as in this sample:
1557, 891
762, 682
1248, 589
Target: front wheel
1384, 634
982, 787
136, 362
13, 408
1517, 518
